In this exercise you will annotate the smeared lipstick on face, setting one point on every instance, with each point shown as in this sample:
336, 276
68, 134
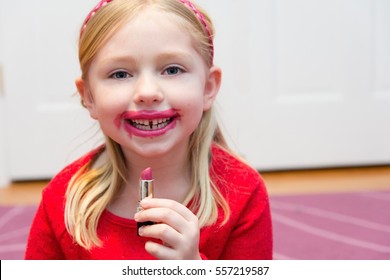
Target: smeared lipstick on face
146, 123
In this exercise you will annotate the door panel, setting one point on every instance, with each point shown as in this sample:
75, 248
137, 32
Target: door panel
45, 123
305, 83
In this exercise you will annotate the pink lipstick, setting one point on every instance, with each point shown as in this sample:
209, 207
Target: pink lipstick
146, 185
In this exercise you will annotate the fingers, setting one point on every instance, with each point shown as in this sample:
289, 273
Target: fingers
167, 212
167, 234
161, 252
175, 225
169, 204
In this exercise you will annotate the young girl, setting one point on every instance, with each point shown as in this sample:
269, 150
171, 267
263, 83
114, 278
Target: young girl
148, 78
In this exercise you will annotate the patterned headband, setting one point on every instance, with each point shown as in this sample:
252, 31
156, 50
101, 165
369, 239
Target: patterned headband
199, 15
101, 4
187, 3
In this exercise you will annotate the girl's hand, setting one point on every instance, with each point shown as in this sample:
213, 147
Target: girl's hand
176, 226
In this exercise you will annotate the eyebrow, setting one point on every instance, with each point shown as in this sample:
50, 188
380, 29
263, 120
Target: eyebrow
175, 55
119, 59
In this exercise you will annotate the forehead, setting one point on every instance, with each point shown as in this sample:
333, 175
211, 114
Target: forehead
149, 29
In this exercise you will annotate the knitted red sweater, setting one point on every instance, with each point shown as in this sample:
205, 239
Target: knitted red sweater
247, 234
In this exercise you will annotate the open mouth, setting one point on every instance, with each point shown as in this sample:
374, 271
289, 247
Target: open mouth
147, 123
150, 125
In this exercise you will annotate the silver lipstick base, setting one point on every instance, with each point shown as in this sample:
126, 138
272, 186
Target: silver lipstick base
146, 189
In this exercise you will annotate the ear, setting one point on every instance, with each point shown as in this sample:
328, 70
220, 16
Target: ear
212, 86
86, 96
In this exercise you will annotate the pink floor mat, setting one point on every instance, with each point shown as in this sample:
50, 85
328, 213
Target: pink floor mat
343, 226
14, 227
348, 226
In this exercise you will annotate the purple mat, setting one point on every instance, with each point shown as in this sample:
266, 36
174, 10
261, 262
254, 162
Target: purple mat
349, 226
14, 226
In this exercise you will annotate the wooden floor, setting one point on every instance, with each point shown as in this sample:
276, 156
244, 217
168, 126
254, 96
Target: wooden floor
278, 183
328, 180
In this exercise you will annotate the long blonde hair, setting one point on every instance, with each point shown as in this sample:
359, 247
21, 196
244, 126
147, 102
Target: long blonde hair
92, 189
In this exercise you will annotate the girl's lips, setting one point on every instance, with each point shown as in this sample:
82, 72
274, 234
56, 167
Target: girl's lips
147, 123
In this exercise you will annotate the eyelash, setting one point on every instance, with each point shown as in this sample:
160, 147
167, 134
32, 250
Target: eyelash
121, 75
176, 68
115, 75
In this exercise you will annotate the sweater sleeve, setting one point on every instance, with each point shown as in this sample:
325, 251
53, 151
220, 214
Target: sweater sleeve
42, 243
251, 238
48, 227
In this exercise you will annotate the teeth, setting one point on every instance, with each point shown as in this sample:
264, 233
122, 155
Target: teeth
150, 124
147, 122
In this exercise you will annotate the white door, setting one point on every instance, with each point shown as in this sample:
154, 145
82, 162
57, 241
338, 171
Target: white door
306, 83
45, 126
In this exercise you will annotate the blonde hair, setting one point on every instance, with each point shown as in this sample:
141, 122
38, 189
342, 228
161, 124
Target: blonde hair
92, 189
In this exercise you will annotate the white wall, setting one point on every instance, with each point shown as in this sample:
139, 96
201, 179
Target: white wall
306, 83
4, 180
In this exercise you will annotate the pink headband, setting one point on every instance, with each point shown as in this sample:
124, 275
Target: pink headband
204, 22
187, 3
101, 4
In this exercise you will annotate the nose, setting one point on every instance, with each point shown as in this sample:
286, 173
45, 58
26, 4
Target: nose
147, 90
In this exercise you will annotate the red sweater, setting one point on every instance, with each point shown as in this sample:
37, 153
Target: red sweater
247, 234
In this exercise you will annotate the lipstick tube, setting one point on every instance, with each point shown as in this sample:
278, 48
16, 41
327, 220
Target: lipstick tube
146, 189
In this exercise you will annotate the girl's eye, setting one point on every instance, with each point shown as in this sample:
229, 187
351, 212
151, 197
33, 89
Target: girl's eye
173, 70
120, 75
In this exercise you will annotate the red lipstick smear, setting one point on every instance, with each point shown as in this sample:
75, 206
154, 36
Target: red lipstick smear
118, 121
147, 174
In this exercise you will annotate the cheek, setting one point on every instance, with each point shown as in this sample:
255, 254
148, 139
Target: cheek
192, 105
108, 105
193, 112
109, 115
189, 95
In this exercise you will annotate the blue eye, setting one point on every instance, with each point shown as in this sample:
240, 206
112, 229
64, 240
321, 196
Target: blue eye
120, 75
173, 70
